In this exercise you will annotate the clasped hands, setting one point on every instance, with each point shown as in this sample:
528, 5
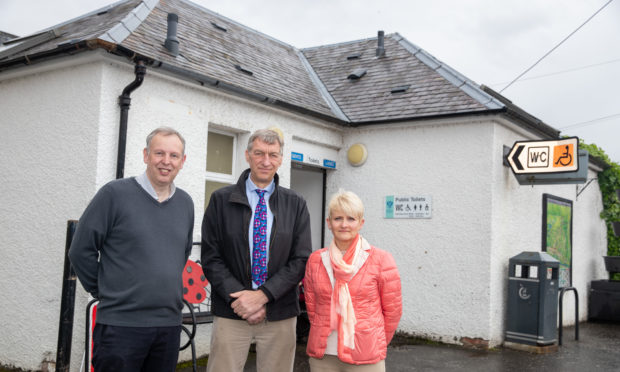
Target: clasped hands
250, 305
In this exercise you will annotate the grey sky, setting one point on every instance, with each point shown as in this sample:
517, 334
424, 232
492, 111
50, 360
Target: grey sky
489, 41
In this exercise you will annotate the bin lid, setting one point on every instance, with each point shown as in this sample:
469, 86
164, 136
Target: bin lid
535, 257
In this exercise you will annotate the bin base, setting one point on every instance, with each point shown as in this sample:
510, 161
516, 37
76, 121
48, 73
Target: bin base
531, 348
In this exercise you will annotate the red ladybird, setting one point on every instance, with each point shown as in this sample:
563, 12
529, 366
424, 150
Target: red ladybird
194, 283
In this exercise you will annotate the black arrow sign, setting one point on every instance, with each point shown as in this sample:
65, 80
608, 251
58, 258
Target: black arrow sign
515, 157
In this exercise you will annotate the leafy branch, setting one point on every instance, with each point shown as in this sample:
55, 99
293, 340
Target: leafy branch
609, 182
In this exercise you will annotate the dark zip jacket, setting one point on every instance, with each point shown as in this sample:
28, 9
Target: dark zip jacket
225, 254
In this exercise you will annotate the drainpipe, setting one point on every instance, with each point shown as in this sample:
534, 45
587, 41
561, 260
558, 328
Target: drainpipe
124, 102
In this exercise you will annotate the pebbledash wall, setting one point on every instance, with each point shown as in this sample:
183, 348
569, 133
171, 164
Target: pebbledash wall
60, 121
454, 266
60, 124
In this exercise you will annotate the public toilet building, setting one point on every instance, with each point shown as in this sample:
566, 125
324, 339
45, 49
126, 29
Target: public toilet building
378, 116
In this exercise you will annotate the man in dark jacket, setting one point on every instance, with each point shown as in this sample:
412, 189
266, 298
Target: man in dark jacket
255, 244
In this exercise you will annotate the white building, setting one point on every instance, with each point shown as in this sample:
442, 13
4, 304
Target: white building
427, 131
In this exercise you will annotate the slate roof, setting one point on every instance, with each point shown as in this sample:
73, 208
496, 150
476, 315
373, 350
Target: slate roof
423, 91
224, 54
276, 69
87, 27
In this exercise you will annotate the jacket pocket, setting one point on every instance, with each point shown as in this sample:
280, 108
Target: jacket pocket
368, 345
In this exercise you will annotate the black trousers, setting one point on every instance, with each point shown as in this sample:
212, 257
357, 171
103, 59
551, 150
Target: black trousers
133, 349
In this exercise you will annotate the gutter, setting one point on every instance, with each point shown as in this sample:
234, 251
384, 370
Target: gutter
69, 48
522, 117
429, 117
205, 80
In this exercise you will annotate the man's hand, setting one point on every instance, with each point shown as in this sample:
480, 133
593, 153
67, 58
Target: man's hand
249, 303
258, 316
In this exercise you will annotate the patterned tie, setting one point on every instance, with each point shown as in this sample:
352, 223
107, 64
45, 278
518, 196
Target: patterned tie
259, 253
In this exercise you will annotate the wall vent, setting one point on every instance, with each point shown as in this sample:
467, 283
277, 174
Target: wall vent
400, 89
247, 72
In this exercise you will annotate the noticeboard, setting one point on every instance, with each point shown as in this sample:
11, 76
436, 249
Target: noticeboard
557, 234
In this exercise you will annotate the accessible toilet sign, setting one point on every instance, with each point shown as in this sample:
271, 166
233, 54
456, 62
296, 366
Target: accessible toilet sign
408, 206
544, 156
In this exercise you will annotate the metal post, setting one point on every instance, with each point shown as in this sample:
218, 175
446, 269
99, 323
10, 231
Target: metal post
562, 291
67, 306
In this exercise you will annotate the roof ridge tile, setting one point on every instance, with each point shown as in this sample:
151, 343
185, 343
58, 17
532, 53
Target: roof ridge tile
130, 23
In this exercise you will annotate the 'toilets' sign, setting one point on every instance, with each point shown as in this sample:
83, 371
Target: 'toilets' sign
313, 160
408, 206
545, 156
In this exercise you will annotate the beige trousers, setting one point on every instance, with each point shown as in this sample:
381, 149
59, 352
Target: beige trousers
331, 363
231, 339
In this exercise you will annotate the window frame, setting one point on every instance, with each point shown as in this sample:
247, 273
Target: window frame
223, 177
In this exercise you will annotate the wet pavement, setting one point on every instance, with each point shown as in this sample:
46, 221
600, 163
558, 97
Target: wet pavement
598, 349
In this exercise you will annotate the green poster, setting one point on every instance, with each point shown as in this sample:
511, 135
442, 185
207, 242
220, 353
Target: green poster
557, 236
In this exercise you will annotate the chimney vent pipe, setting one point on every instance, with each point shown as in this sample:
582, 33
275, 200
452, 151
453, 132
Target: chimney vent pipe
172, 43
380, 48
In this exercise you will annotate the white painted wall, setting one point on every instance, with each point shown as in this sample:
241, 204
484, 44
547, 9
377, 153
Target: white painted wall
517, 227
162, 100
61, 136
454, 265
443, 261
49, 123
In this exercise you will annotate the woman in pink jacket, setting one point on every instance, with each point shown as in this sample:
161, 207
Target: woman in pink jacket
352, 293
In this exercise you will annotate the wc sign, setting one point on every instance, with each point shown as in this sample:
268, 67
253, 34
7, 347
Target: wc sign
544, 156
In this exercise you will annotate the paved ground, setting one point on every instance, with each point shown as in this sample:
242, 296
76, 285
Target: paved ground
598, 349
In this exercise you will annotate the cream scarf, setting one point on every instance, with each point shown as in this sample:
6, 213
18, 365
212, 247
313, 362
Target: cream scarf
342, 317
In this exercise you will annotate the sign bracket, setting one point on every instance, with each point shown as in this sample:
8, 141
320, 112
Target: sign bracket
578, 192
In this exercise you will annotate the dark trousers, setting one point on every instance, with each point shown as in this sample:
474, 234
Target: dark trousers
133, 349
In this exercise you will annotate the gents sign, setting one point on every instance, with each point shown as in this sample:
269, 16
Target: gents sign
545, 156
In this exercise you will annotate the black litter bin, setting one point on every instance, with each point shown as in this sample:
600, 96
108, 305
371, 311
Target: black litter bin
532, 299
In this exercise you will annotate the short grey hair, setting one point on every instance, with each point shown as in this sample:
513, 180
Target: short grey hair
268, 136
166, 131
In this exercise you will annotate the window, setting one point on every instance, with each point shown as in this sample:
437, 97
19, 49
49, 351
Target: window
220, 162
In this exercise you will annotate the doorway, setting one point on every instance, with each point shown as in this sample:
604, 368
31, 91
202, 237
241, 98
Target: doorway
310, 183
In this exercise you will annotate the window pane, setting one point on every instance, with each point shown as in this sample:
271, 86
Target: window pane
211, 186
219, 153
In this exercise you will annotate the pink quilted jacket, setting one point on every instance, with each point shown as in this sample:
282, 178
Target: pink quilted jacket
377, 301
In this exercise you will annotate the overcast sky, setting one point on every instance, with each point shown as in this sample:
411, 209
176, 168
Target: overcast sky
576, 88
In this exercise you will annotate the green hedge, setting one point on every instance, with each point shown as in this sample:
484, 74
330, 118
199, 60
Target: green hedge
609, 182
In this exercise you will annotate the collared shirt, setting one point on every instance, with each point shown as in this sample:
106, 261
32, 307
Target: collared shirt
253, 198
143, 180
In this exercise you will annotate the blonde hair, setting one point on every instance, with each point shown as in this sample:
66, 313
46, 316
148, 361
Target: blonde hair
347, 202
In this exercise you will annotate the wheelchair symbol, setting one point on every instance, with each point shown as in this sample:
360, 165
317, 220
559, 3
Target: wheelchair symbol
565, 159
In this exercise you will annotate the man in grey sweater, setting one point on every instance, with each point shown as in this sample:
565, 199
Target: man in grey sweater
128, 251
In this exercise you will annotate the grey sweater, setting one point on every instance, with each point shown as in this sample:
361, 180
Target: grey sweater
129, 251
